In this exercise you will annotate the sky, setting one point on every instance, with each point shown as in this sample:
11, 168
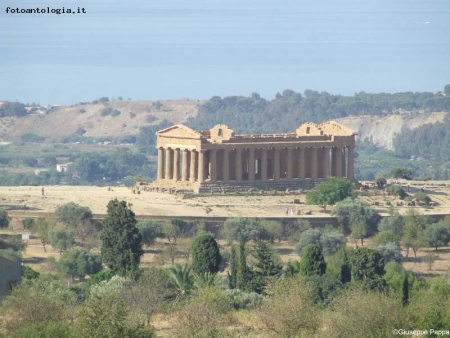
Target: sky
173, 49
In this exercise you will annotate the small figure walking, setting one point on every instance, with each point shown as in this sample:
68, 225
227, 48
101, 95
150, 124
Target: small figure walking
42, 191
409, 188
287, 211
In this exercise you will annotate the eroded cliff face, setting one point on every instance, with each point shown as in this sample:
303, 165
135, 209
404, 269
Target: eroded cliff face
381, 130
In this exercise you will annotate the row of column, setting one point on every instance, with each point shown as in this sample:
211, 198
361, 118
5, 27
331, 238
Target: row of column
270, 164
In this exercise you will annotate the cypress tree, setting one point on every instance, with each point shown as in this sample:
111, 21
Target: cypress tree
346, 272
312, 262
121, 240
405, 290
242, 271
265, 267
205, 254
232, 277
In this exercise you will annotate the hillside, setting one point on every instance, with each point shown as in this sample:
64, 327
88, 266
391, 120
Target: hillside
380, 130
63, 121
87, 119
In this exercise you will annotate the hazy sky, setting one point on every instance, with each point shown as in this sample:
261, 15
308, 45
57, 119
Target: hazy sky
196, 49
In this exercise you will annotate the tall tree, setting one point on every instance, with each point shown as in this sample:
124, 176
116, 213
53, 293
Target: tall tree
121, 240
266, 265
346, 272
413, 233
205, 254
366, 264
232, 274
405, 290
312, 262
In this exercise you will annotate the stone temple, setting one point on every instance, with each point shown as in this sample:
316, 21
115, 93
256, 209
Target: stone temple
218, 160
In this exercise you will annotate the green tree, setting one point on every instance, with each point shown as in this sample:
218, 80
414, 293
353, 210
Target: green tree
4, 219
30, 273
312, 262
43, 231
413, 232
330, 192
390, 252
401, 173
171, 229
274, 230
205, 254
121, 240
79, 263
346, 271
234, 264
366, 264
405, 290
357, 217
73, 214
62, 239
447, 89
266, 266
49, 330
49, 160
241, 229
149, 230
437, 235
308, 237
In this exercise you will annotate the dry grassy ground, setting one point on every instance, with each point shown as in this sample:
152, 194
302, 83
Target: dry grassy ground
160, 204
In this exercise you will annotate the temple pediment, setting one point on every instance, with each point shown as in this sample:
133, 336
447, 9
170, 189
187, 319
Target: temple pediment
179, 131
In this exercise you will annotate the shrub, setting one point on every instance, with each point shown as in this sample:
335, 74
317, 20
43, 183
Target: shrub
397, 190
31, 137
28, 223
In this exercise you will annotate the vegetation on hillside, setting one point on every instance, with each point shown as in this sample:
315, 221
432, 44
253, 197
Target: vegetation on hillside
257, 115
331, 290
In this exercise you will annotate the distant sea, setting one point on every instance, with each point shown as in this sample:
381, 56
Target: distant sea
197, 49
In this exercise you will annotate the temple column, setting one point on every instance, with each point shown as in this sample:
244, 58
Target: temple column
185, 166
314, 160
213, 161
201, 166
160, 163
176, 164
226, 166
169, 158
251, 165
338, 163
344, 171
263, 164
350, 165
290, 169
326, 162
302, 164
238, 165
276, 165
193, 165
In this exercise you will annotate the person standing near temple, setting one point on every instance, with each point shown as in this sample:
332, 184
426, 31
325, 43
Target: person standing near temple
42, 190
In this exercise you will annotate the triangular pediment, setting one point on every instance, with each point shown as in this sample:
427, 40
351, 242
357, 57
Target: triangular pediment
179, 131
